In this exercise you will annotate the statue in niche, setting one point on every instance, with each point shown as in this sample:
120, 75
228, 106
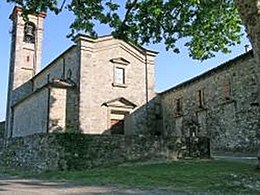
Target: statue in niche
29, 32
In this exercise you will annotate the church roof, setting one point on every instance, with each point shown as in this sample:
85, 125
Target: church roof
56, 83
18, 9
105, 37
55, 60
206, 74
61, 83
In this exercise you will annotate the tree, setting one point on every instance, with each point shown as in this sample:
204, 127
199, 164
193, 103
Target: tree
250, 14
207, 26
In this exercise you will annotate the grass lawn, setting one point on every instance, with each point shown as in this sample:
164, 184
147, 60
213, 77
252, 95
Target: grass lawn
190, 176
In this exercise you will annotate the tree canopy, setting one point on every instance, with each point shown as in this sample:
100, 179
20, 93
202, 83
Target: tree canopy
206, 26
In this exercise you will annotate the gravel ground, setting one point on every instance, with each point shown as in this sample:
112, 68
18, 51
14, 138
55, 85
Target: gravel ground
15, 186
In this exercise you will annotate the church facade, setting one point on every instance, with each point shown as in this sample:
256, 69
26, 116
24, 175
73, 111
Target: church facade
91, 87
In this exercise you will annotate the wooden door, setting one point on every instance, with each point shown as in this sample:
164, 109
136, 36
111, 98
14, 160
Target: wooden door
117, 126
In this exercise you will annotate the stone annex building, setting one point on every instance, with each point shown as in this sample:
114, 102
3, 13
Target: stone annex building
106, 85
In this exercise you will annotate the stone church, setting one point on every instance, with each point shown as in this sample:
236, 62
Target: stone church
106, 85
91, 87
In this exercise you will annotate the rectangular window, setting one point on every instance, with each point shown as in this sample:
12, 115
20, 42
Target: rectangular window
200, 98
227, 90
179, 106
119, 75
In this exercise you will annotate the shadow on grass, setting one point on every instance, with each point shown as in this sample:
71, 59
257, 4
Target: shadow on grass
184, 176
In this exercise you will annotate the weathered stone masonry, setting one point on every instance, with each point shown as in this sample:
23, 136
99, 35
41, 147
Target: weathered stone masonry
220, 104
72, 151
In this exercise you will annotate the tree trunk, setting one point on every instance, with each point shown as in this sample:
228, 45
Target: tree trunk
249, 11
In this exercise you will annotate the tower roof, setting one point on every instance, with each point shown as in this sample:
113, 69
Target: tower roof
18, 9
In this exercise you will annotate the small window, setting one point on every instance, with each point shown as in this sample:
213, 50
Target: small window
119, 75
29, 32
158, 111
227, 90
69, 74
200, 98
178, 106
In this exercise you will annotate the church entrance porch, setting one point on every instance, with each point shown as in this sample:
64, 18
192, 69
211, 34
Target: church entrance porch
117, 110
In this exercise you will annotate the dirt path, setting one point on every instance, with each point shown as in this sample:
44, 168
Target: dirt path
14, 186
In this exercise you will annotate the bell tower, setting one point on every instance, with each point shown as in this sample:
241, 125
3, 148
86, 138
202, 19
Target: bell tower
25, 55
26, 47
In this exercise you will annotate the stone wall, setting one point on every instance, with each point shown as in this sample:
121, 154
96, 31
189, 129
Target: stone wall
79, 152
220, 104
22, 92
146, 120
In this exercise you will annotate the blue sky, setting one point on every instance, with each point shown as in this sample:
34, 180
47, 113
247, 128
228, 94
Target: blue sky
171, 69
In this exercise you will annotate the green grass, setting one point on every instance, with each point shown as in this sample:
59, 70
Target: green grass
192, 176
